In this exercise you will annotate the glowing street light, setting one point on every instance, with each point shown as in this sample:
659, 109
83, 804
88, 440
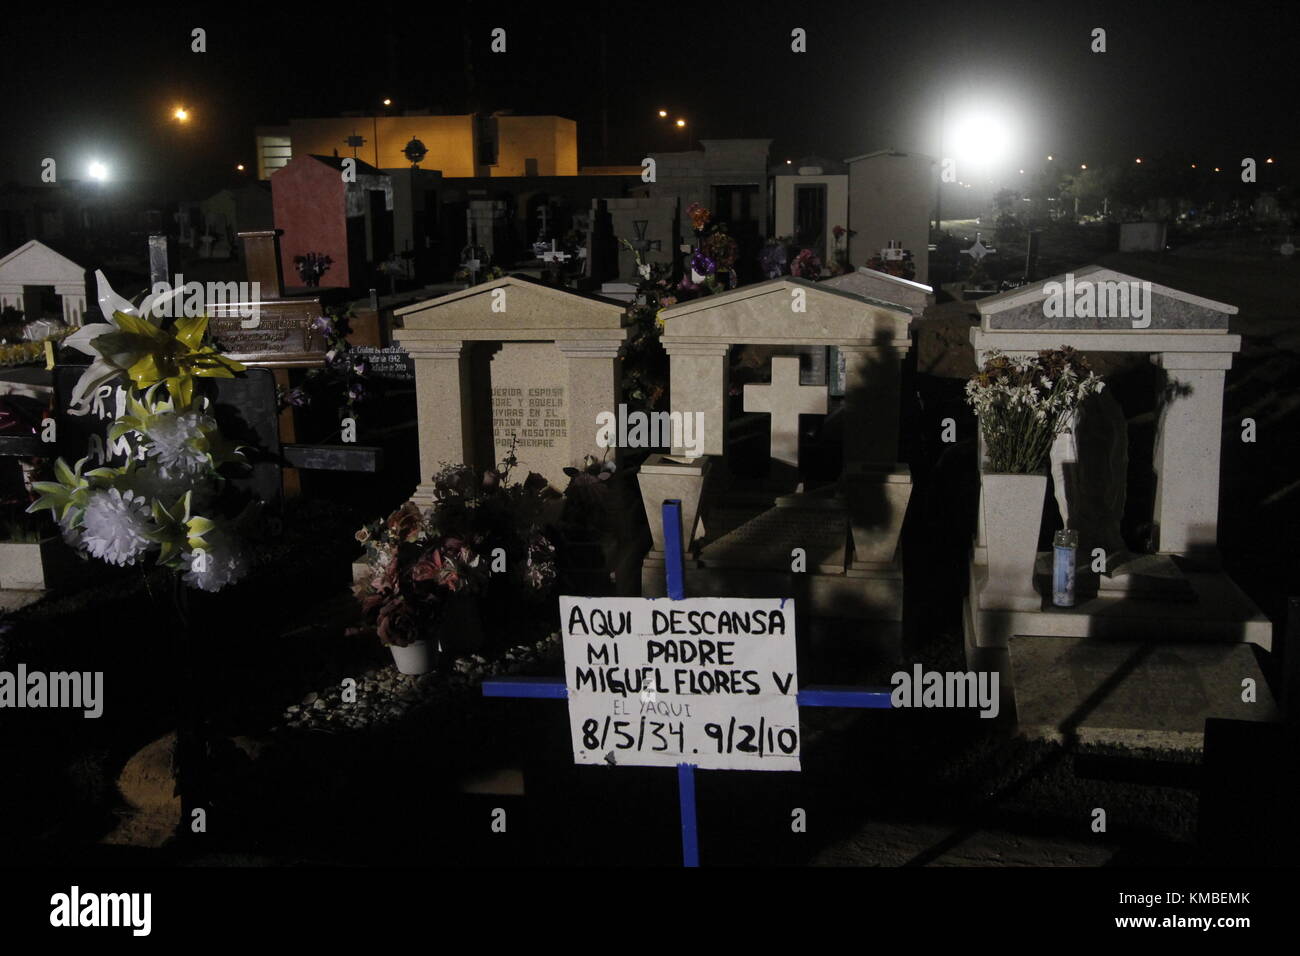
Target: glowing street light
1138, 160
181, 114
240, 167
681, 124
387, 101
663, 114
97, 171
978, 139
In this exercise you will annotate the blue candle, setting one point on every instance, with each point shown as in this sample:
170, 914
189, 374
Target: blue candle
1065, 545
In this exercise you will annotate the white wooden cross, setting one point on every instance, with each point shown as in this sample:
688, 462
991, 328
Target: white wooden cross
785, 400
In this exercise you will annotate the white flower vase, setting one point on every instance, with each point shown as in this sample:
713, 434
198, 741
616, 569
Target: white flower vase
415, 658
1013, 514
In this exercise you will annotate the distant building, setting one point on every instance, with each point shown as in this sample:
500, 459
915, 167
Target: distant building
465, 146
809, 201
730, 178
891, 197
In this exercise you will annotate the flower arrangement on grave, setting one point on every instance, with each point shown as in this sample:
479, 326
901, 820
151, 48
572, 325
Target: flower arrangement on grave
699, 217
168, 500
1023, 404
481, 538
311, 267
903, 268
806, 265
343, 382
774, 257
645, 363
486, 274
839, 263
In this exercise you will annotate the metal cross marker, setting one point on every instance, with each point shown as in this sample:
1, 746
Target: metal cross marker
641, 243
550, 688
977, 251
785, 400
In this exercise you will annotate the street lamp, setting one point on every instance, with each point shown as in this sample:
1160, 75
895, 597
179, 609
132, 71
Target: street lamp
181, 114
97, 171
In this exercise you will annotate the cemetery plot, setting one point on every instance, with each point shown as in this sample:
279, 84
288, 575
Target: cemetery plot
710, 682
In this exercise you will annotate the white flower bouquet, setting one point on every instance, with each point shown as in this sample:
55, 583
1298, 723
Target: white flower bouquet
1023, 404
164, 500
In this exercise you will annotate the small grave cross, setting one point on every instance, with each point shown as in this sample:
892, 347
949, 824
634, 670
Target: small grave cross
641, 243
555, 255
549, 688
977, 251
785, 400
356, 141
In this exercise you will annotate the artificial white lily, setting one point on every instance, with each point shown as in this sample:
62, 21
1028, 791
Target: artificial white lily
105, 368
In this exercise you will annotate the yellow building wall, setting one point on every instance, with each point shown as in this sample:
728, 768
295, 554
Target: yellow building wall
551, 140
449, 139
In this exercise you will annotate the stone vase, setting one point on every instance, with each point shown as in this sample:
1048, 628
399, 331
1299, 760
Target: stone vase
414, 658
1013, 514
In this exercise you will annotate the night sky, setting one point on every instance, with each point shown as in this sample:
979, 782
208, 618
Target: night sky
1208, 82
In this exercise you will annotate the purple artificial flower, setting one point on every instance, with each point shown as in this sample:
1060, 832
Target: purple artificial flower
322, 324
702, 264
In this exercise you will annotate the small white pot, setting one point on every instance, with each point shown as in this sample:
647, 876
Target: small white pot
1013, 514
414, 658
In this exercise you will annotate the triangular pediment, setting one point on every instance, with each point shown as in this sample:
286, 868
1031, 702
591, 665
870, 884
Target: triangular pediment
515, 307
34, 263
787, 311
1098, 298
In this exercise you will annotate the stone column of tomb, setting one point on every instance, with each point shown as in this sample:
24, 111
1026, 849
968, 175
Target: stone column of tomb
699, 377
595, 376
443, 407
1187, 452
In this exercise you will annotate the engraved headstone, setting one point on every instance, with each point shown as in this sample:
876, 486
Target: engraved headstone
530, 407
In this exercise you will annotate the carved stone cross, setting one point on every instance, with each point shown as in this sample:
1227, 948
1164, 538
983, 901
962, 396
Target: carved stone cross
785, 400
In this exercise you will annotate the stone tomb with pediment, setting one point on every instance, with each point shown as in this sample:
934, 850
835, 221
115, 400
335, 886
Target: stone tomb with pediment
741, 533
513, 360
1122, 664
